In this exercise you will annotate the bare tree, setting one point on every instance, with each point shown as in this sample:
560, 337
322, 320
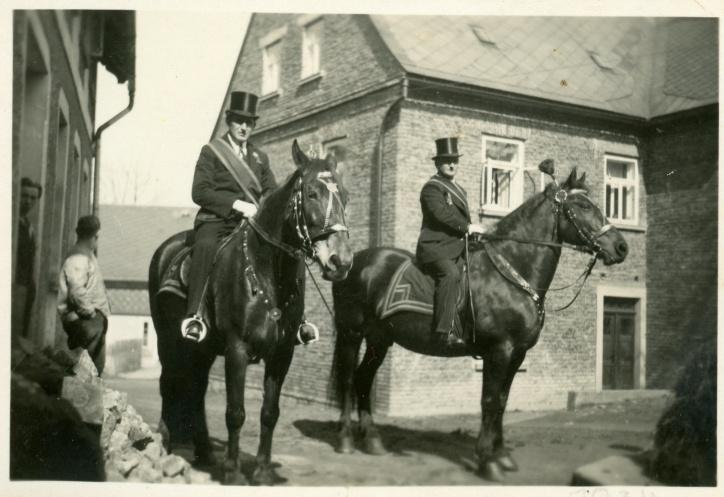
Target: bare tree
128, 187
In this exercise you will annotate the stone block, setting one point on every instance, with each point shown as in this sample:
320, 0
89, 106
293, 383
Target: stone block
153, 451
118, 442
86, 399
84, 369
125, 462
172, 465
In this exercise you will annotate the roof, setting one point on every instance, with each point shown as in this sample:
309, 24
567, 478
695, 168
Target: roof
130, 235
644, 67
119, 50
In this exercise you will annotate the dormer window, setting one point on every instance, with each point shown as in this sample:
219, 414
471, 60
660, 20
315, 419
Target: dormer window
311, 48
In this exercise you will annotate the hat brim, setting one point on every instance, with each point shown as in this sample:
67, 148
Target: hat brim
447, 156
241, 113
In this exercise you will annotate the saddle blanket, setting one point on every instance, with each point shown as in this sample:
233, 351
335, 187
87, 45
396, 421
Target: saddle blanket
412, 290
176, 278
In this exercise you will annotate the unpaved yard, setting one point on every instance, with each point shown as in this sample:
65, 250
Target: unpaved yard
548, 446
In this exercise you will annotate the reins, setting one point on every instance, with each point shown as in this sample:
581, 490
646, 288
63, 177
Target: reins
591, 246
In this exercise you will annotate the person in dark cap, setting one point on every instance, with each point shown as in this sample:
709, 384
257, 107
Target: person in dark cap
82, 299
440, 247
24, 287
230, 178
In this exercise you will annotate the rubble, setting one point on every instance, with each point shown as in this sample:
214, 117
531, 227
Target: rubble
123, 446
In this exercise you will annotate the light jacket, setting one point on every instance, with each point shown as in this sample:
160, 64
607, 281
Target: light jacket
82, 291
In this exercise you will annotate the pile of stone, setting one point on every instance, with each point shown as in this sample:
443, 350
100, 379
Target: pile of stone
67, 425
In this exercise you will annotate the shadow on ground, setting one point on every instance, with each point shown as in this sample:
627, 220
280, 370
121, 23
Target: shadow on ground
456, 446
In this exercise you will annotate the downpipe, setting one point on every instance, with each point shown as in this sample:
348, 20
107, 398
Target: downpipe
97, 141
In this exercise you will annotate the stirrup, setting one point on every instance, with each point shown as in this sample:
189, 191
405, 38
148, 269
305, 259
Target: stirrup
307, 333
189, 321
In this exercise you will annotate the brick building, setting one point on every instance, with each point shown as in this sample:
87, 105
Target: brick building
630, 101
54, 135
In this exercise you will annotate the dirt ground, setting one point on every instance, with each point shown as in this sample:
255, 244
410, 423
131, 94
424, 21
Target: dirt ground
548, 446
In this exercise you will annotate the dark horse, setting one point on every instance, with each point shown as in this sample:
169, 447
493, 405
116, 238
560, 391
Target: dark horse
508, 318
255, 304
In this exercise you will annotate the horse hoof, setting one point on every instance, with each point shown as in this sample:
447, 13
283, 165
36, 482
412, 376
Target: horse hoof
507, 463
265, 475
492, 471
373, 446
345, 445
235, 478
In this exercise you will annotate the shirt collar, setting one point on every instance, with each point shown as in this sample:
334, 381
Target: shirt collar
237, 149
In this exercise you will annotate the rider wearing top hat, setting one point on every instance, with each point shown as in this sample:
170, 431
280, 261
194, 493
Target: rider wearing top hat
230, 178
440, 247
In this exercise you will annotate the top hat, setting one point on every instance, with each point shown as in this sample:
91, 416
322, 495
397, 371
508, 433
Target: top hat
88, 226
447, 148
242, 104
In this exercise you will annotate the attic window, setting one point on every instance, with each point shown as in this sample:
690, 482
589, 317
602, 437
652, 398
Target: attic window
607, 62
482, 35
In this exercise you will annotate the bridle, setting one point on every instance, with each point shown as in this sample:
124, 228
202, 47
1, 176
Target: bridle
560, 203
301, 227
590, 246
306, 238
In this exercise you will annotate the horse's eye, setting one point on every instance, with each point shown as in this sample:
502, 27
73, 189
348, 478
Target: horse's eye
312, 194
584, 205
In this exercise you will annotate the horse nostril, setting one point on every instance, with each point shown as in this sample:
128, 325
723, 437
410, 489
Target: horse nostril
622, 248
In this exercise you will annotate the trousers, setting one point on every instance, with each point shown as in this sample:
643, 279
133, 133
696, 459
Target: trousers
208, 236
447, 274
89, 333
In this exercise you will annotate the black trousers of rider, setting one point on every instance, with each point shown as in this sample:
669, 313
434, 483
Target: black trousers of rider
447, 274
208, 236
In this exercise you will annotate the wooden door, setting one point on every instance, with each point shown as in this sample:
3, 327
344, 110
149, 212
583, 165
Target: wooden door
619, 334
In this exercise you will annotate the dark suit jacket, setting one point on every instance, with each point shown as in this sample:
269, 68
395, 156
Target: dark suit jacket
445, 220
215, 189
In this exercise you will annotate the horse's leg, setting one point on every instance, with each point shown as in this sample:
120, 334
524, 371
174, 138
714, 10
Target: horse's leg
504, 459
274, 374
374, 355
202, 444
495, 372
236, 363
347, 351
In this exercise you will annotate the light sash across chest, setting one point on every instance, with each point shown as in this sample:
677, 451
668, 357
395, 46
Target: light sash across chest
238, 168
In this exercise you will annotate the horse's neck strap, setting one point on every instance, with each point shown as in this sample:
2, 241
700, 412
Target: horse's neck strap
504, 267
284, 247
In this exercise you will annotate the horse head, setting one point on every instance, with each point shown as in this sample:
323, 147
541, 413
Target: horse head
319, 214
580, 221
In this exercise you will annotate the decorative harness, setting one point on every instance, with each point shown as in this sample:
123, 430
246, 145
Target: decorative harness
591, 246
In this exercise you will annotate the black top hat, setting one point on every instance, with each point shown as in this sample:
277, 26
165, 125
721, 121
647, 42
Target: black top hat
447, 148
242, 104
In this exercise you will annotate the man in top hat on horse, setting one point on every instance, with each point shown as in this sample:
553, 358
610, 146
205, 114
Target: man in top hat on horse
231, 177
440, 247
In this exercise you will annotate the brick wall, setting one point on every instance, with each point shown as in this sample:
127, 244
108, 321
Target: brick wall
349, 43
682, 187
564, 358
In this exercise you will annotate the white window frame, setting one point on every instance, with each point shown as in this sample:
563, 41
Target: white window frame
311, 66
270, 83
639, 293
622, 183
486, 179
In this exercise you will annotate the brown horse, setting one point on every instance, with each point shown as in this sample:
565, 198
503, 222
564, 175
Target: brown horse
255, 304
508, 309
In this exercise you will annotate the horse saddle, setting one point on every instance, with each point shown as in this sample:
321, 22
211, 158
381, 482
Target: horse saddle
176, 278
412, 290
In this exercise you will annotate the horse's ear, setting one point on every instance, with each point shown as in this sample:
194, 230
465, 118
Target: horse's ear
572, 180
581, 181
300, 159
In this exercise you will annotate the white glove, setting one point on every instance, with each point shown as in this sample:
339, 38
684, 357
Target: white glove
475, 229
246, 208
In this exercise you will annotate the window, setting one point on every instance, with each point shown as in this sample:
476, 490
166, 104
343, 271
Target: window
311, 43
621, 179
502, 184
336, 148
270, 73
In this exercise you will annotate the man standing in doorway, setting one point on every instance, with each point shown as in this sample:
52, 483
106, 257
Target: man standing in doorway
82, 299
24, 288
